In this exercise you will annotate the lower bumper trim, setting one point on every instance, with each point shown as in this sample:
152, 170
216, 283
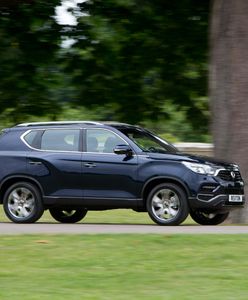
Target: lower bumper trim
217, 202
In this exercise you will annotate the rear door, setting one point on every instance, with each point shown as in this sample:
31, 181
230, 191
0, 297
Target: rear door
55, 161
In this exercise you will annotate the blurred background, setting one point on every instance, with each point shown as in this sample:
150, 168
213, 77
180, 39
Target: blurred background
179, 68
141, 62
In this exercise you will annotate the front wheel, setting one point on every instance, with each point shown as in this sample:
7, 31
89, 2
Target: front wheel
167, 204
22, 203
67, 215
204, 218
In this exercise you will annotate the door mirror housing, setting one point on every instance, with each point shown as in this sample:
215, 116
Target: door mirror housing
123, 149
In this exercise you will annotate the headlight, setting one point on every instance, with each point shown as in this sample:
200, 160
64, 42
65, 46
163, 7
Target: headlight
200, 168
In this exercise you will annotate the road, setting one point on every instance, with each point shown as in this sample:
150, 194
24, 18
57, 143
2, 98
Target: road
54, 228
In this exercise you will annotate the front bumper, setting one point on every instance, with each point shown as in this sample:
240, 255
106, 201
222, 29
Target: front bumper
214, 196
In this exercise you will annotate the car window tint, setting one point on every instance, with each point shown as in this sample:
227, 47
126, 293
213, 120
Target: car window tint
60, 139
147, 141
103, 141
30, 137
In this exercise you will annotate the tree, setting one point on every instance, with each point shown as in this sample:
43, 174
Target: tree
140, 58
29, 40
138, 55
229, 85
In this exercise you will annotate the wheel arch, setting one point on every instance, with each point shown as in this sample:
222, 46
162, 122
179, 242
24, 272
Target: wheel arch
150, 184
14, 179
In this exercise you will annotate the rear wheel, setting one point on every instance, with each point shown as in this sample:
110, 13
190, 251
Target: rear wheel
68, 215
167, 204
204, 218
22, 203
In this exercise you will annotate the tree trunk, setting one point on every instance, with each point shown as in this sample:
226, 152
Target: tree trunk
229, 86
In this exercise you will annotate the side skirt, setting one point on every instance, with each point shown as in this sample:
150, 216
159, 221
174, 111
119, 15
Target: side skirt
93, 203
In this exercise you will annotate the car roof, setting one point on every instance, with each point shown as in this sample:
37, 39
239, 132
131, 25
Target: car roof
60, 124
57, 123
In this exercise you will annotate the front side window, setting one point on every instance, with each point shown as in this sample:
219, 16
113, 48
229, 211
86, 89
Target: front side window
147, 141
60, 139
102, 141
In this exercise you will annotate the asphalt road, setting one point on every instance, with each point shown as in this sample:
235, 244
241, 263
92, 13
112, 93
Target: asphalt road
54, 228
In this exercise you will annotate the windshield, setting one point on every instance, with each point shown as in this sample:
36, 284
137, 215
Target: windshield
147, 141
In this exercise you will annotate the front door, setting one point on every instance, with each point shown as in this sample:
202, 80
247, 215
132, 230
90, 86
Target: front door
106, 175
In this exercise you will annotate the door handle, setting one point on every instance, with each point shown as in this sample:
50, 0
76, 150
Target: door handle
90, 165
36, 163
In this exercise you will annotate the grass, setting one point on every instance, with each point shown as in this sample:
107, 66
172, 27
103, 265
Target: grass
134, 266
125, 216
120, 267
116, 216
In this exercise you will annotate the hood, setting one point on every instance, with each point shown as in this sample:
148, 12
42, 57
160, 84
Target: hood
179, 156
208, 160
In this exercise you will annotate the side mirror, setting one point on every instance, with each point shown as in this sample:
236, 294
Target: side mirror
123, 149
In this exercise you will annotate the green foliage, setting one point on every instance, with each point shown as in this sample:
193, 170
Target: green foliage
143, 55
28, 46
134, 61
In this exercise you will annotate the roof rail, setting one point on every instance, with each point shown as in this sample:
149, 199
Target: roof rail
58, 123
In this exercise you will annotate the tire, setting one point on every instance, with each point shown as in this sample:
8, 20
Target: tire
167, 204
22, 203
67, 215
203, 218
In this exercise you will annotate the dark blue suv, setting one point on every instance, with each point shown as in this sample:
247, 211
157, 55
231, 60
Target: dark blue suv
72, 167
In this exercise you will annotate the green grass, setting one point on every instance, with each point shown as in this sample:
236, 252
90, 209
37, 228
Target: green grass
169, 267
116, 216
125, 216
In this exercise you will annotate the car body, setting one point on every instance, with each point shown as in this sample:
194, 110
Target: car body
73, 167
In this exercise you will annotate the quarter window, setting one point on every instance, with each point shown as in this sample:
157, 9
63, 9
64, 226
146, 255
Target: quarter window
103, 141
30, 138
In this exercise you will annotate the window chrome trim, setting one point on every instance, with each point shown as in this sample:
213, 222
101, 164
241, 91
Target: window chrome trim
106, 153
43, 150
65, 151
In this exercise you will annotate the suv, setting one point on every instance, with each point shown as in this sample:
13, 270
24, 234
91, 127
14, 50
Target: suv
72, 167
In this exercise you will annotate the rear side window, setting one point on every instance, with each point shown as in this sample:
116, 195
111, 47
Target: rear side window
60, 139
53, 139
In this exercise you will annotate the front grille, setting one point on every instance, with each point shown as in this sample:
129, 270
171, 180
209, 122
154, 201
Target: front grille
229, 175
234, 191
